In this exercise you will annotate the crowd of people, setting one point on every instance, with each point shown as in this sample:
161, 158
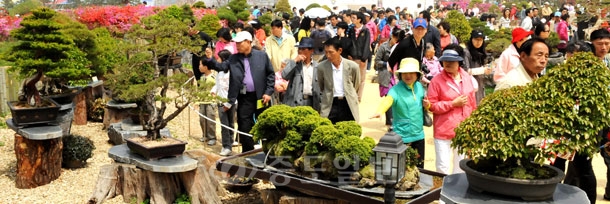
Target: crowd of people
420, 66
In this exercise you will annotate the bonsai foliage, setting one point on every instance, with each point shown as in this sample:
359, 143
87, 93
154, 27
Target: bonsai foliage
141, 79
459, 25
77, 147
239, 9
45, 49
209, 24
499, 41
309, 141
569, 105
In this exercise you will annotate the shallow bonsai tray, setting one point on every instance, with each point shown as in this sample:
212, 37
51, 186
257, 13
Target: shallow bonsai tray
34, 115
157, 151
245, 164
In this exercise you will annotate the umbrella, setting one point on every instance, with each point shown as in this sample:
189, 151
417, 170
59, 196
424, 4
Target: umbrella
317, 13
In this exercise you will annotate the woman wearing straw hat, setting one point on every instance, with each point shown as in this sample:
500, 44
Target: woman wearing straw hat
407, 101
452, 95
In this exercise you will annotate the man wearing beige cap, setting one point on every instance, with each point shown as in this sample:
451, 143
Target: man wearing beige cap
251, 84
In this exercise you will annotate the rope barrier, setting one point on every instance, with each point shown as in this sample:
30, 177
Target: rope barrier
205, 117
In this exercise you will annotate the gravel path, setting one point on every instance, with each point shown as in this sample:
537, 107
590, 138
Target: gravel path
77, 185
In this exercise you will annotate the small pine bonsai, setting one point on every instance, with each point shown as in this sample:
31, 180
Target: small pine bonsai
45, 49
569, 105
141, 79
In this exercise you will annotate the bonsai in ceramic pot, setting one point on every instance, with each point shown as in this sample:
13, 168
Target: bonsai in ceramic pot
142, 79
76, 150
565, 110
44, 49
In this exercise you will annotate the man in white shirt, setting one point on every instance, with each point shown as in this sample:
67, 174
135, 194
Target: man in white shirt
526, 23
534, 54
339, 81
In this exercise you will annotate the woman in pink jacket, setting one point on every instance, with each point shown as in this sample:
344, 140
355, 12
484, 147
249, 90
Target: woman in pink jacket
563, 33
452, 98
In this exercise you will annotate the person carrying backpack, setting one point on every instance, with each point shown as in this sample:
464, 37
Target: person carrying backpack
319, 36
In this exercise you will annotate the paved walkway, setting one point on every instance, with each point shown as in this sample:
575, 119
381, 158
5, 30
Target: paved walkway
375, 128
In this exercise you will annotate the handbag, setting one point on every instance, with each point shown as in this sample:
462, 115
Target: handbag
427, 117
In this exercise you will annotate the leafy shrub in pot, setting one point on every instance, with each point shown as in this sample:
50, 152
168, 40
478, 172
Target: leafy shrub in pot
77, 148
568, 105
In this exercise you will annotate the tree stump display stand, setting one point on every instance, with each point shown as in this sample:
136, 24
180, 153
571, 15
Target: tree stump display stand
38, 151
160, 181
84, 100
115, 112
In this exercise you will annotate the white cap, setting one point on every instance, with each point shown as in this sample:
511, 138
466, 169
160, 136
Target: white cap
241, 36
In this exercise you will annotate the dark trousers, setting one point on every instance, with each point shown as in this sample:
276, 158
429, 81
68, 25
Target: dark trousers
226, 118
246, 113
420, 146
340, 111
604, 136
580, 174
388, 117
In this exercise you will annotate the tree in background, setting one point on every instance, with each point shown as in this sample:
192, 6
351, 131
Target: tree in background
225, 13
8, 4
313, 5
459, 25
199, 4
24, 7
240, 9
209, 24
283, 6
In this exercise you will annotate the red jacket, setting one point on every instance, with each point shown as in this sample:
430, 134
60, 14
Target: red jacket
441, 92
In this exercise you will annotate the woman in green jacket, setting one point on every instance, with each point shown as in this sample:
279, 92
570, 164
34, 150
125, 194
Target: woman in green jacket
407, 101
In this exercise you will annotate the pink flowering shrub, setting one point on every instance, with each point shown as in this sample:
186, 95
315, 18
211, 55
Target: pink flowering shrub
199, 13
7, 24
118, 19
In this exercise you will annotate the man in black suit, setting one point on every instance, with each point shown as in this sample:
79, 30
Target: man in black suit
252, 79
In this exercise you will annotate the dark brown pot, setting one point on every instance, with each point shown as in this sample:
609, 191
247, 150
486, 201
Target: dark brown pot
526, 189
157, 151
34, 115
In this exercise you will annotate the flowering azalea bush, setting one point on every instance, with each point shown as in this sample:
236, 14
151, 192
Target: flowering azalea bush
7, 24
117, 19
200, 12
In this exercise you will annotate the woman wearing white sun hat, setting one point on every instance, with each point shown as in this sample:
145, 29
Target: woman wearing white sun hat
407, 101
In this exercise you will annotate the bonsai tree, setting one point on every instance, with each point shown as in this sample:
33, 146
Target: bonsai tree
44, 49
296, 133
77, 148
567, 107
141, 79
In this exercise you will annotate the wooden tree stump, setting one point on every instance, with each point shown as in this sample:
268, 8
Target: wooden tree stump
38, 161
80, 109
132, 182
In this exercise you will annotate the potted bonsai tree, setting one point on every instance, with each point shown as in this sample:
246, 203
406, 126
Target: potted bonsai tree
44, 50
77, 149
142, 79
565, 110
